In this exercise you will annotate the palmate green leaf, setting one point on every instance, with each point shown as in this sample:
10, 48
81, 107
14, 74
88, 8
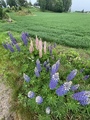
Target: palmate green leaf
24, 68
52, 99
73, 105
45, 89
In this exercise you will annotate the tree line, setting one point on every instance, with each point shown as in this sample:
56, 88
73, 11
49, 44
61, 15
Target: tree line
55, 5
13, 3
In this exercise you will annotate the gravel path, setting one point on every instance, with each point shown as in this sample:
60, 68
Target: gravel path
5, 99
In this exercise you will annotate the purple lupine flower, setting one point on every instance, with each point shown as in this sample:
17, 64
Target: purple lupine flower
57, 65
47, 67
54, 81
86, 77
39, 99
36, 72
44, 64
50, 50
10, 47
75, 87
38, 65
27, 34
31, 94
83, 97
72, 75
53, 69
63, 89
85, 102
48, 110
17, 47
24, 39
12, 38
5, 45
26, 77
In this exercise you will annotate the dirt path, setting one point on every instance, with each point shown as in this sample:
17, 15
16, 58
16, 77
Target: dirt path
5, 99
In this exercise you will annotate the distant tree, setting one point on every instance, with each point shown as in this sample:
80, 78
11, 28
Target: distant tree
22, 2
11, 3
3, 3
55, 5
1, 11
66, 5
42, 4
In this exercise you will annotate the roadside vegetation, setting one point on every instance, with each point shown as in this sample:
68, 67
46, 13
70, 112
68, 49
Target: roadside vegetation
49, 80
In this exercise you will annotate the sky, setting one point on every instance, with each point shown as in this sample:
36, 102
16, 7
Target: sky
80, 5
32, 1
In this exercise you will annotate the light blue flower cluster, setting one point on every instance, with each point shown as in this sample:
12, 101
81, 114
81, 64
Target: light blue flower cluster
39, 99
31, 94
83, 97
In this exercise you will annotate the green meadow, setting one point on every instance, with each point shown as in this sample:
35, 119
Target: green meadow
69, 29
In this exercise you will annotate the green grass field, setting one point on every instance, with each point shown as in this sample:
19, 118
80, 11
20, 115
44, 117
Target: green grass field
70, 29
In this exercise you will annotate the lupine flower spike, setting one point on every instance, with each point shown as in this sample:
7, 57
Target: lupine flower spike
63, 89
31, 94
86, 77
10, 47
39, 99
17, 47
32, 45
36, 72
31, 48
37, 42
75, 87
57, 65
54, 81
44, 64
26, 77
48, 67
24, 39
5, 45
72, 75
38, 65
45, 47
12, 38
83, 97
40, 48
